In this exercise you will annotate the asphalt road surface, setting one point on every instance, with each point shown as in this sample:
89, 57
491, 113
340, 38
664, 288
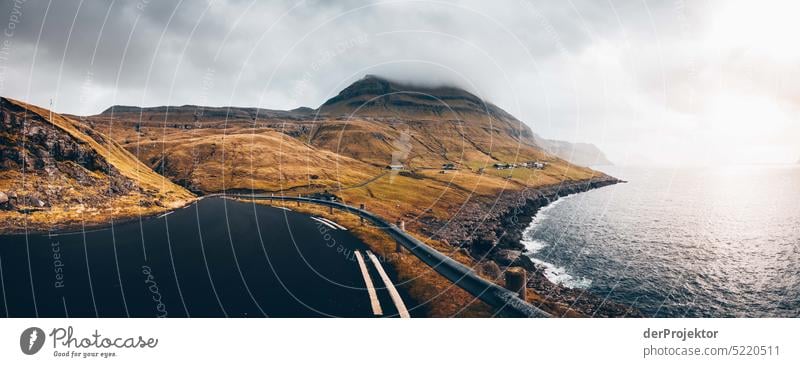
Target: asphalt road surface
215, 258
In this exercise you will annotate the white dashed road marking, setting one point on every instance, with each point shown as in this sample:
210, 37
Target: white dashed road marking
398, 301
333, 223
373, 296
323, 222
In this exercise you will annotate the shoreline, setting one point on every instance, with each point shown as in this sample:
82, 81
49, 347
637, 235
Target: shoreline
493, 238
576, 299
573, 299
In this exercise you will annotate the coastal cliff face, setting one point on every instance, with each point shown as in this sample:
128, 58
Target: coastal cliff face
582, 154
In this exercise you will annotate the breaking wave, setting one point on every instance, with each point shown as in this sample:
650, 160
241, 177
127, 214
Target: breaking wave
559, 275
552, 272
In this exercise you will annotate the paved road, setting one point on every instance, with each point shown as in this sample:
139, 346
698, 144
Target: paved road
503, 300
215, 258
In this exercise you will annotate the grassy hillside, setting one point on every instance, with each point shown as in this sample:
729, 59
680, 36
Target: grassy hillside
213, 160
56, 171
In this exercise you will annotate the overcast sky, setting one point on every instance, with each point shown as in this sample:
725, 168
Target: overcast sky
667, 82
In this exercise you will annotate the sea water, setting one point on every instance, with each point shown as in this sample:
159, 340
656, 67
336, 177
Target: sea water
675, 242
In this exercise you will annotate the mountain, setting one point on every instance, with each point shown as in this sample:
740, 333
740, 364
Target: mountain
376, 96
366, 127
582, 154
55, 170
202, 113
373, 96
344, 147
442, 124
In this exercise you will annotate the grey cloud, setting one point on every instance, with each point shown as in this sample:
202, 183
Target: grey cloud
574, 70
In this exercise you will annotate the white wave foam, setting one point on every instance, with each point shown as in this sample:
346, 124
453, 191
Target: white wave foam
555, 274
527, 233
533, 245
559, 275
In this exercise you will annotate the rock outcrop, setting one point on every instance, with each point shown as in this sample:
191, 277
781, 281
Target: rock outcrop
55, 170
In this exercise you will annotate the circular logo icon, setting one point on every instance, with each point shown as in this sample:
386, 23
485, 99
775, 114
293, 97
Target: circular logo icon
31, 340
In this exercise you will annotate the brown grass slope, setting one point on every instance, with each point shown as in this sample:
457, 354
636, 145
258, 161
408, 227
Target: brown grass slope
56, 171
214, 160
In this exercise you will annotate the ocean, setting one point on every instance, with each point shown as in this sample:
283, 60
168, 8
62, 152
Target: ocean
680, 242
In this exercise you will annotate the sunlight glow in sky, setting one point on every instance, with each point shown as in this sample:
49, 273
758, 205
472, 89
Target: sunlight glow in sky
750, 124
